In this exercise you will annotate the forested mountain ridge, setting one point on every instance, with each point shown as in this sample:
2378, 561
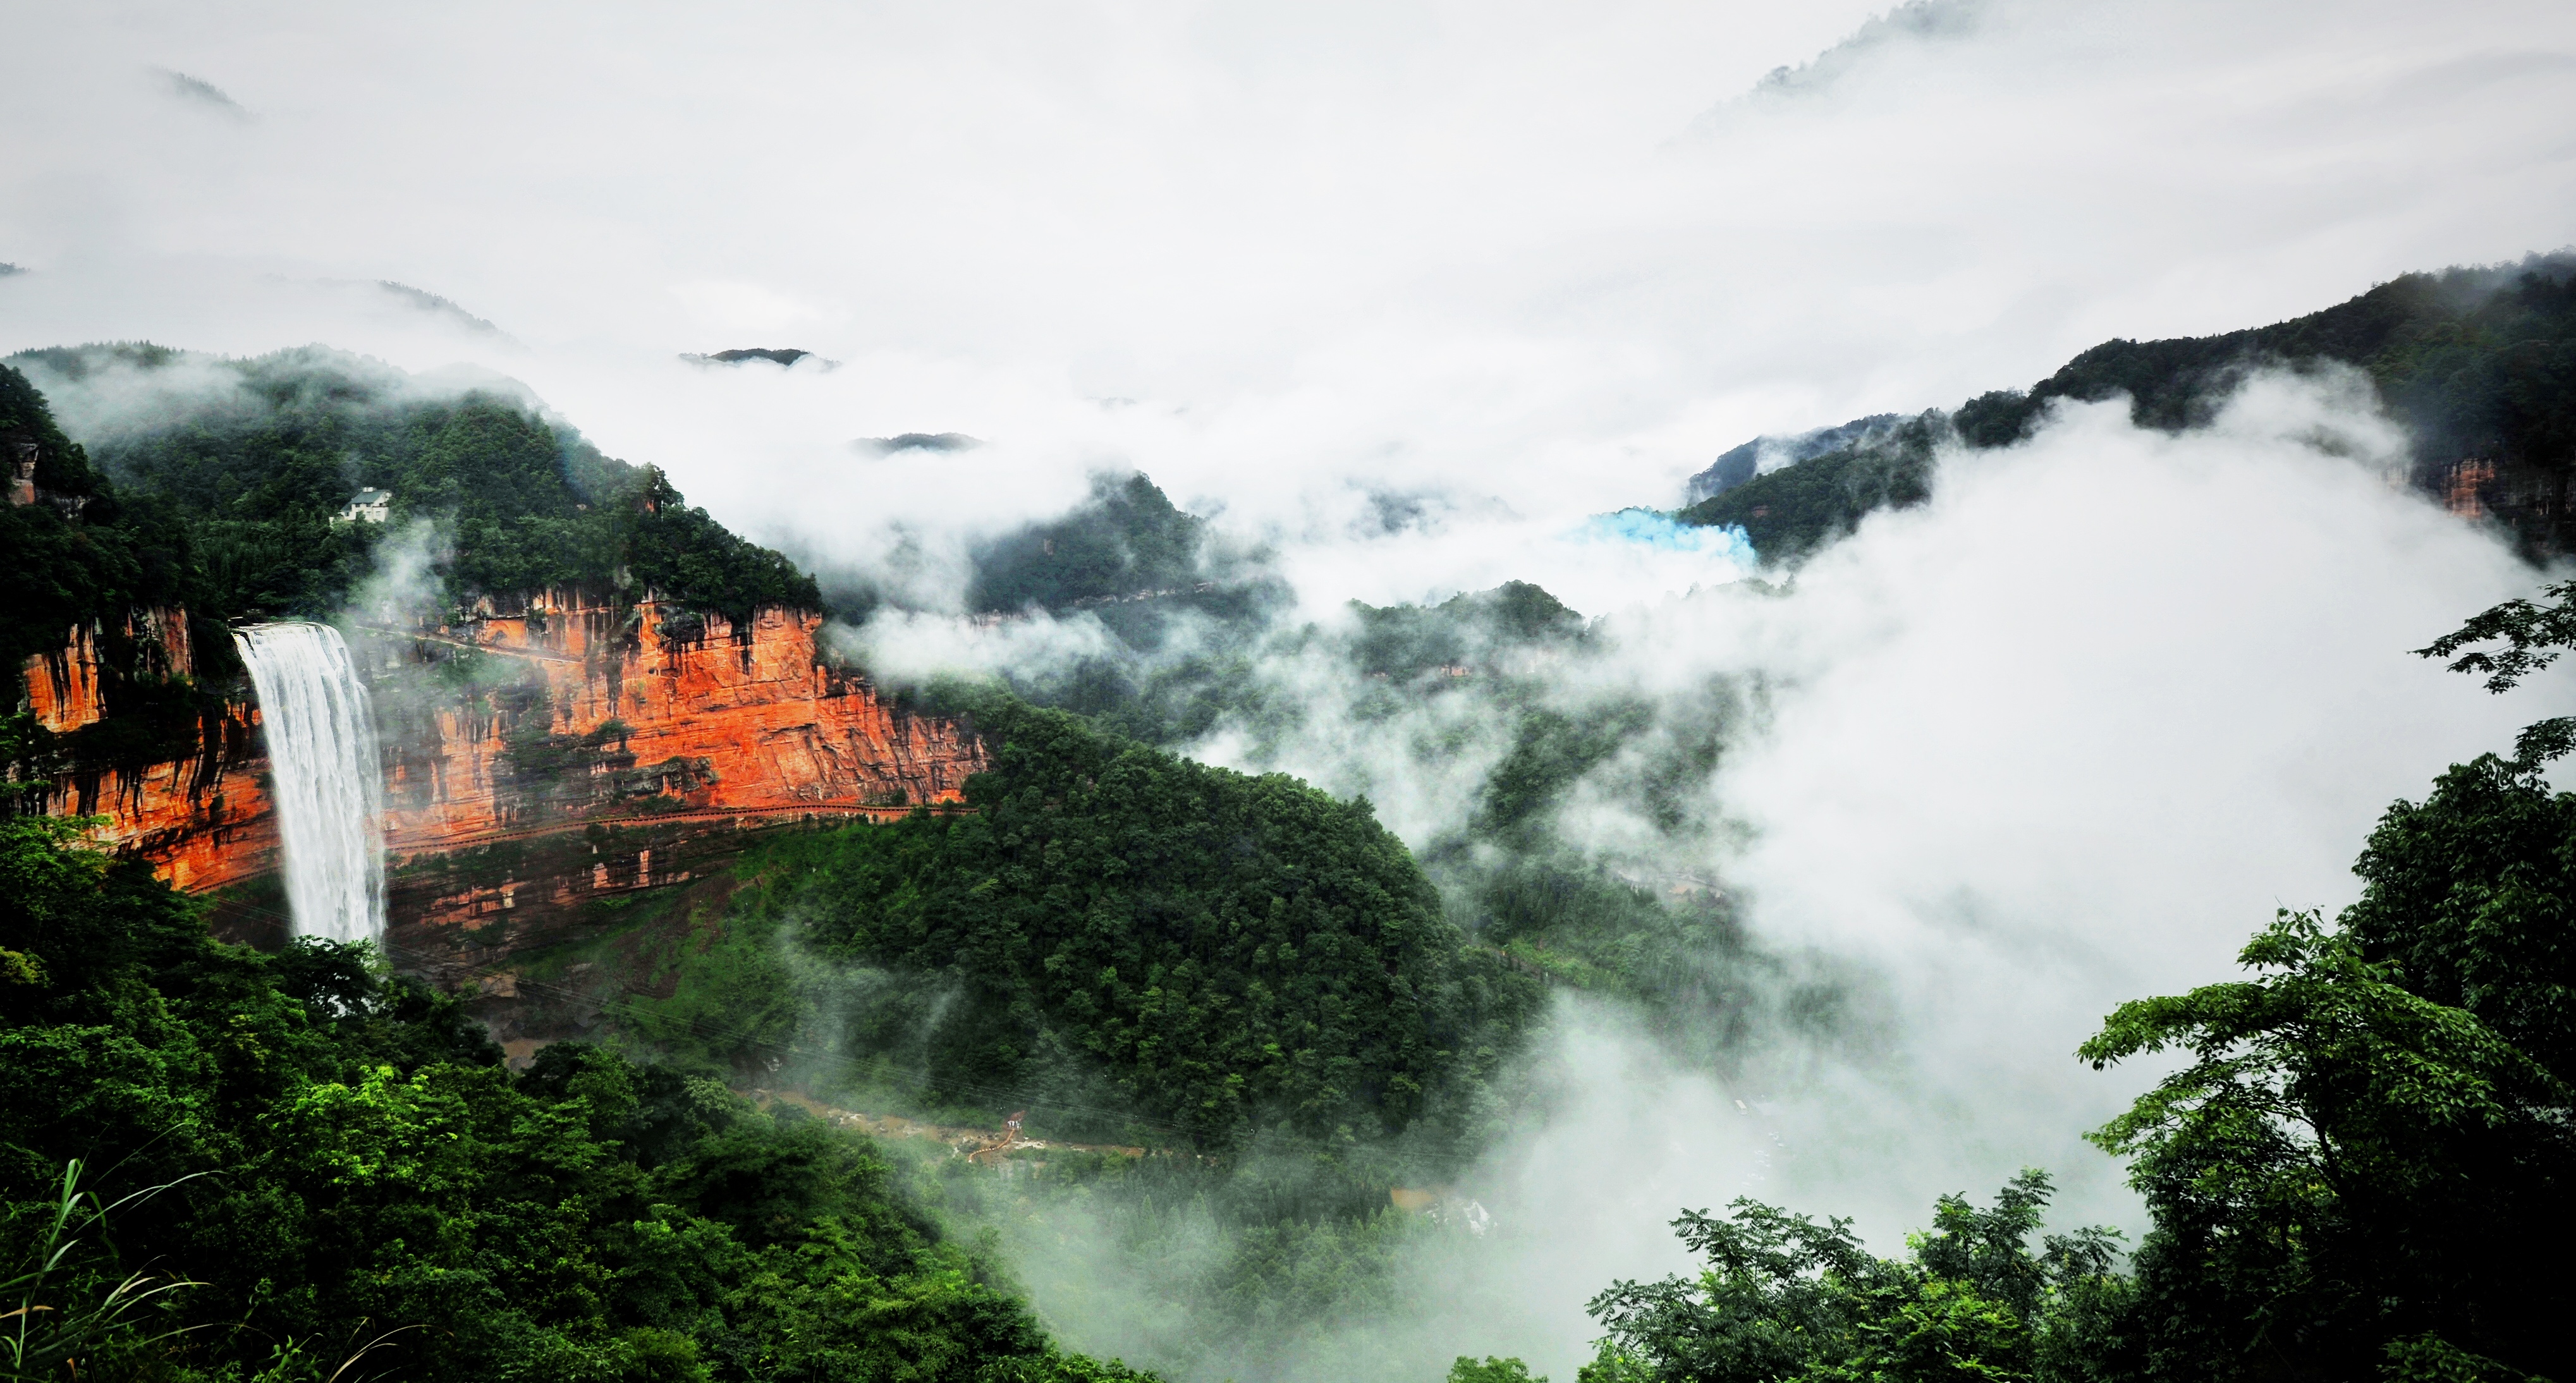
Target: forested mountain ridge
1278, 1012
2349, 1141
257, 458
2478, 364
220, 495
99, 577
1128, 557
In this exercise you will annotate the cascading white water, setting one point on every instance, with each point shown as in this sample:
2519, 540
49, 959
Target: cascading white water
322, 764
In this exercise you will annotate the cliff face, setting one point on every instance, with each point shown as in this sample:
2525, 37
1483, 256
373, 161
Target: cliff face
67, 689
549, 768
203, 822
533, 759
203, 819
573, 712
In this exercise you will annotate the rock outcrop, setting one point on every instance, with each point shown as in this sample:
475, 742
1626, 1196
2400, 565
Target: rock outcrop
201, 816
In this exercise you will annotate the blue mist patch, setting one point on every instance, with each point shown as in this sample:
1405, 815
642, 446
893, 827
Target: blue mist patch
1656, 529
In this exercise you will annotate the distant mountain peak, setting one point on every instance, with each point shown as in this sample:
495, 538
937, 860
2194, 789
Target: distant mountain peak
785, 356
918, 441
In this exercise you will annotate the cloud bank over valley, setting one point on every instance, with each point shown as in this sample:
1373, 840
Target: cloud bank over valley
1422, 316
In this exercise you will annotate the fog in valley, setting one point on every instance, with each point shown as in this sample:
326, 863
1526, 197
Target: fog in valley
2065, 736
1407, 301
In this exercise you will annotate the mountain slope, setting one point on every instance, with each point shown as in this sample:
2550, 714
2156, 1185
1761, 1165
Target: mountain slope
2479, 364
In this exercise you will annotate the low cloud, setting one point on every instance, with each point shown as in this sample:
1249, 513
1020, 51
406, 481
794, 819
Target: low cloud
104, 392
911, 646
2062, 737
1263, 264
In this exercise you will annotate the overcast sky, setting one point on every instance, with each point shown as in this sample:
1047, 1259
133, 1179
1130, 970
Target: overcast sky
1549, 259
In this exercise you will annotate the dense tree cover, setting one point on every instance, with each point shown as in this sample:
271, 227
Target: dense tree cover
1506, 879
908, 968
1170, 696
1217, 1257
335, 1159
1741, 463
1127, 537
1130, 558
1674, 945
62, 467
76, 551
1796, 509
1266, 1248
2480, 364
2333, 1169
2353, 1137
83, 557
1228, 1268
1114, 928
256, 458
1783, 1296
2476, 361
1248, 979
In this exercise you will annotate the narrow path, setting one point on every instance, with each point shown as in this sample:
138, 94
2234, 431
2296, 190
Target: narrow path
896, 1126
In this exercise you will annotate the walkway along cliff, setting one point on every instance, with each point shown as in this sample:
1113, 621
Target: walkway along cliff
536, 759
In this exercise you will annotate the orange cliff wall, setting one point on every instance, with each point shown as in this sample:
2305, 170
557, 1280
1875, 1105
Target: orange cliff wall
203, 821
752, 723
67, 690
751, 720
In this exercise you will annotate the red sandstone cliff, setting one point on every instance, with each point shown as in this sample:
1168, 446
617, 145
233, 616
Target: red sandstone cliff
566, 715
203, 820
602, 713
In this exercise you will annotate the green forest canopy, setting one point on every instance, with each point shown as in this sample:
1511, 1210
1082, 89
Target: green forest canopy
325, 1157
257, 474
2351, 1133
1116, 929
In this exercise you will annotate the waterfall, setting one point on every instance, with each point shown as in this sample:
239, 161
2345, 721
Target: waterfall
323, 771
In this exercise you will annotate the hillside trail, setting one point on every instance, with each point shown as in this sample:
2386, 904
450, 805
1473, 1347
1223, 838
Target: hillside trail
983, 1147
